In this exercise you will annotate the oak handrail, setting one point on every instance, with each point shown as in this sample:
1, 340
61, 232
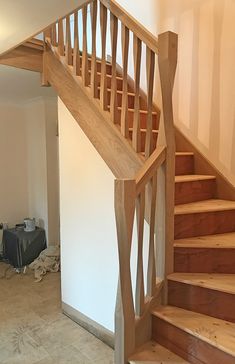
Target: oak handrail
132, 24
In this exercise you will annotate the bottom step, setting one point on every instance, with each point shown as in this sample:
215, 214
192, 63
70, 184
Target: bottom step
154, 353
198, 338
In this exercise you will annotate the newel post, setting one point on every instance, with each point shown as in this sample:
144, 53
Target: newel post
167, 60
124, 314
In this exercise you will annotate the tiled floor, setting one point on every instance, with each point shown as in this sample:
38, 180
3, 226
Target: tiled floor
34, 331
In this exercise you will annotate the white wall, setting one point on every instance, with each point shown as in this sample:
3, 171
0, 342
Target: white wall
88, 227
204, 90
88, 230
29, 18
52, 164
13, 164
37, 162
43, 173
29, 182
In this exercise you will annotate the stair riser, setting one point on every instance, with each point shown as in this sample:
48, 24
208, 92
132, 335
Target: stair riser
187, 346
143, 139
206, 223
98, 65
184, 164
131, 101
196, 260
109, 83
186, 192
202, 300
143, 120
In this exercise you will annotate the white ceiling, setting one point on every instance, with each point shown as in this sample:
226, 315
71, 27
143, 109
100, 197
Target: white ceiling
18, 85
22, 19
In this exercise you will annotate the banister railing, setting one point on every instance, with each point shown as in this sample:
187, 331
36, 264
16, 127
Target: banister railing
150, 196
135, 202
132, 24
144, 205
100, 29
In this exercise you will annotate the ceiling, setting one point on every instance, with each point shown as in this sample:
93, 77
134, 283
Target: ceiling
19, 85
22, 19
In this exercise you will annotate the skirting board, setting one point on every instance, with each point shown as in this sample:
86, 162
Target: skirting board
88, 324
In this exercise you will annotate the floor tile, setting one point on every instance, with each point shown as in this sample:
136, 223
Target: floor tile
33, 329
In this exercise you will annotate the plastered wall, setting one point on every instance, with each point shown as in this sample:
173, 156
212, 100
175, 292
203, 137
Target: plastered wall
29, 182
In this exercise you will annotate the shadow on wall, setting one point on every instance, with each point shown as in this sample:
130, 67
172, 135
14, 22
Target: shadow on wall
41, 223
205, 92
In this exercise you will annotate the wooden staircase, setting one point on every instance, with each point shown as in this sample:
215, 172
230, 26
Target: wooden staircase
198, 323
185, 314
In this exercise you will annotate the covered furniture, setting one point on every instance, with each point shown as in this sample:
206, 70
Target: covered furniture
20, 248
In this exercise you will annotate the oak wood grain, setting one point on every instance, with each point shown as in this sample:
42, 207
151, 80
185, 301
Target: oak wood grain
24, 57
116, 152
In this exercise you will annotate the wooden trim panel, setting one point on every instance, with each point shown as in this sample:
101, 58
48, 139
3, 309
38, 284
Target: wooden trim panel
88, 324
24, 57
106, 138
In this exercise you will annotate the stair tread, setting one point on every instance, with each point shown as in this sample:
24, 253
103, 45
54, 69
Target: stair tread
226, 240
107, 75
215, 281
132, 110
193, 177
141, 111
144, 131
184, 153
216, 332
99, 60
178, 154
211, 205
152, 352
119, 91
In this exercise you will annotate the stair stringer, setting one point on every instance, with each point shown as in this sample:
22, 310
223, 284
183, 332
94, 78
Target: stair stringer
115, 150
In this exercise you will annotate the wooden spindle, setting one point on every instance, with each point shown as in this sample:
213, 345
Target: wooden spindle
139, 295
76, 51
61, 37
94, 81
150, 66
103, 79
85, 74
53, 35
136, 138
125, 53
151, 277
114, 35
47, 35
68, 48
124, 313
